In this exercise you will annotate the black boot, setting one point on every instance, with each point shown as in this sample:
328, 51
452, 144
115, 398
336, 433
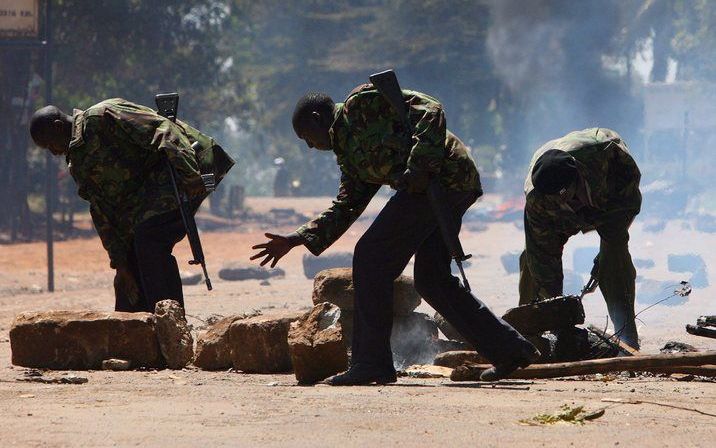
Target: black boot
363, 374
524, 357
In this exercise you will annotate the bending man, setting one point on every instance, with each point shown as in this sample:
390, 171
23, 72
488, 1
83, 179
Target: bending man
584, 181
116, 151
368, 140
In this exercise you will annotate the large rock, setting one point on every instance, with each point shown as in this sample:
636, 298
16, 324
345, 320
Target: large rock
260, 344
213, 350
336, 286
312, 265
79, 340
550, 314
173, 333
457, 358
238, 271
316, 344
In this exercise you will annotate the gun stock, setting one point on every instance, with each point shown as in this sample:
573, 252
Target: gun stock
167, 106
386, 82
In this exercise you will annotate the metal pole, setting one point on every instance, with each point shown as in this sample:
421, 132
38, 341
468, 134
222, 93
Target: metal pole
49, 162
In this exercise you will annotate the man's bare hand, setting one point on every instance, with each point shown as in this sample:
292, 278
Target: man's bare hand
276, 247
126, 286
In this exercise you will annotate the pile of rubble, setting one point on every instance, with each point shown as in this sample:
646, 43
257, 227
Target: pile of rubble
313, 344
83, 340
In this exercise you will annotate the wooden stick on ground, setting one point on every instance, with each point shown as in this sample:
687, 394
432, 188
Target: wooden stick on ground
701, 331
636, 363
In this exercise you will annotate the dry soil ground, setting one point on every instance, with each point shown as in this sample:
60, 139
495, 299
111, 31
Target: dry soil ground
193, 408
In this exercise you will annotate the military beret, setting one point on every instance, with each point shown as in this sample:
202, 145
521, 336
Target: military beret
554, 171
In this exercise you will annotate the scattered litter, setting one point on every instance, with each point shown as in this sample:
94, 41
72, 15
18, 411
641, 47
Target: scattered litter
272, 383
666, 405
27, 396
677, 347
567, 414
69, 379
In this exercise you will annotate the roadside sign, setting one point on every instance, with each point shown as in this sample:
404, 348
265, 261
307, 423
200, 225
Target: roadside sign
19, 18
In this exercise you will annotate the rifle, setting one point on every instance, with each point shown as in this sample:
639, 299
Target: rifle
167, 107
387, 84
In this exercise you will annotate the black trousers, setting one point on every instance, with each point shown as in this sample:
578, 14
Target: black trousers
152, 264
405, 227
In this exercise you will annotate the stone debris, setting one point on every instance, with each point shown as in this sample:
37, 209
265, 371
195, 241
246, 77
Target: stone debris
312, 265
427, 371
213, 350
238, 271
81, 340
677, 347
545, 315
260, 344
190, 278
316, 344
336, 286
458, 358
36, 376
116, 364
175, 340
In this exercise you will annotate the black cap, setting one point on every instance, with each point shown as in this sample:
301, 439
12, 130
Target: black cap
554, 171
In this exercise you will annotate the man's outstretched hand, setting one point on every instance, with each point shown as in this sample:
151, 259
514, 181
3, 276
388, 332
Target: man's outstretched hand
276, 247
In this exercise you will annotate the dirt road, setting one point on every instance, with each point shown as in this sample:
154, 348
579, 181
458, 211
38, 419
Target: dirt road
192, 408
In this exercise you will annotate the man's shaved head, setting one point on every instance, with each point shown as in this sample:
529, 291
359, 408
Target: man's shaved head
309, 103
51, 128
312, 118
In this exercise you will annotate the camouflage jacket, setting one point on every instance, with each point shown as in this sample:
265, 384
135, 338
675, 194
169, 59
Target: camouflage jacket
611, 183
117, 157
372, 149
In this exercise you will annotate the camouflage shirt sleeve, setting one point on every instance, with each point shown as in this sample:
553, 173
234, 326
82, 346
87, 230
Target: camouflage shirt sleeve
429, 132
545, 238
150, 130
352, 199
114, 240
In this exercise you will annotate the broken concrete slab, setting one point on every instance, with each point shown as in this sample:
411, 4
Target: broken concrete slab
213, 350
685, 262
190, 278
511, 262
260, 344
336, 286
238, 271
318, 349
79, 340
312, 264
175, 340
644, 263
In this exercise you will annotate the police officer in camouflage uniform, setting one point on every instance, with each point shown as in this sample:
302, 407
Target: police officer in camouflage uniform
368, 139
584, 181
116, 151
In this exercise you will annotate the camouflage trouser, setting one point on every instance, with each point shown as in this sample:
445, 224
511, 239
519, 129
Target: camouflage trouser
617, 276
